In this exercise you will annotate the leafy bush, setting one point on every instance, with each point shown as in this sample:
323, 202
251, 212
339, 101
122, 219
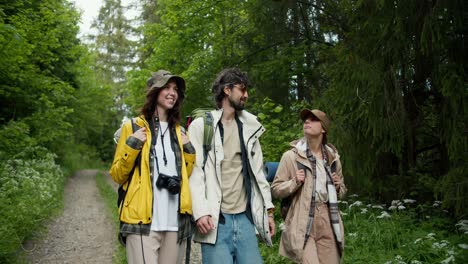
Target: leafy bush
401, 232
282, 126
31, 185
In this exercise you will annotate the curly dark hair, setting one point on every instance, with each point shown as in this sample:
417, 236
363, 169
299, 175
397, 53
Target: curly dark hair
227, 77
173, 115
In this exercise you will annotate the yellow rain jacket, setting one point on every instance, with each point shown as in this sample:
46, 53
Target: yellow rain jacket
137, 205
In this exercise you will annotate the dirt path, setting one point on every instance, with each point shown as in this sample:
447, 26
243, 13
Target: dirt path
83, 233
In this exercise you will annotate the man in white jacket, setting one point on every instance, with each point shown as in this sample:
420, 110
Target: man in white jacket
231, 199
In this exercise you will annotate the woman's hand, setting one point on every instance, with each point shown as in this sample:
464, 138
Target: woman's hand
336, 181
140, 134
300, 176
185, 138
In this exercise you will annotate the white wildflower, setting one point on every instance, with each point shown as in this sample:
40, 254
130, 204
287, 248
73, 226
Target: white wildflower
462, 226
343, 202
399, 259
396, 202
448, 260
353, 195
442, 244
388, 262
352, 234
392, 208
343, 213
428, 217
464, 246
378, 207
437, 204
430, 236
417, 240
409, 201
356, 203
415, 262
363, 210
384, 214
401, 207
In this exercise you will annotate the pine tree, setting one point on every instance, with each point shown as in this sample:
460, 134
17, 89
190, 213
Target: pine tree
115, 50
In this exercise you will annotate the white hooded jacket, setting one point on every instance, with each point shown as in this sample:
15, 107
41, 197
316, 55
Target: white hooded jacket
205, 184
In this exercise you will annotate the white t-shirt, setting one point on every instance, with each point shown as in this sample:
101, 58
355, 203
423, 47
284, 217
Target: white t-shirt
165, 204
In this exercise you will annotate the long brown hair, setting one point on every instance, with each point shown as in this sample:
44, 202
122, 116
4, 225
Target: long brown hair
173, 114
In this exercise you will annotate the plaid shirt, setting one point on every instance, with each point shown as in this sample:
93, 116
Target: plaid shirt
144, 229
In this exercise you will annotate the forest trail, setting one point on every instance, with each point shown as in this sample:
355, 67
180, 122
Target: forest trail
83, 233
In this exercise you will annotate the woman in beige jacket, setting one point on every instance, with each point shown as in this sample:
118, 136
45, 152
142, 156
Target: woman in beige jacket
310, 176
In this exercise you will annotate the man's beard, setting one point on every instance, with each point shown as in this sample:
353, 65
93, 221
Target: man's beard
238, 106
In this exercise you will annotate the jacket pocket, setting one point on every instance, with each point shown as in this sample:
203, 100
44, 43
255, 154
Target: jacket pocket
131, 202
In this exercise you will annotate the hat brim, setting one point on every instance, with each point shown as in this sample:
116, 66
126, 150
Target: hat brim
305, 113
179, 80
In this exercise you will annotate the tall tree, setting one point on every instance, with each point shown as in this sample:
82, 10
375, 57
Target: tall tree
397, 84
115, 51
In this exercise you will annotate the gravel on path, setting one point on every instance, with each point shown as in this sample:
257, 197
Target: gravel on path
83, 233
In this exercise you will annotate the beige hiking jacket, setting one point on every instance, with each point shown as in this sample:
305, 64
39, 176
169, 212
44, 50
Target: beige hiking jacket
284, 185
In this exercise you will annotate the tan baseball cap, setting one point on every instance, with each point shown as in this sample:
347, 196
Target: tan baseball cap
306, 113
160, 78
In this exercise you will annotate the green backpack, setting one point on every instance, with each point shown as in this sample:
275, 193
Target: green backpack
205, 113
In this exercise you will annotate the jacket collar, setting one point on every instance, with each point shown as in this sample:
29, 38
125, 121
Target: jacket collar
301, 146
249, 121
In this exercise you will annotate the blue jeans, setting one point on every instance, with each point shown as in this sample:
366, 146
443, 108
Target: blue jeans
236, 243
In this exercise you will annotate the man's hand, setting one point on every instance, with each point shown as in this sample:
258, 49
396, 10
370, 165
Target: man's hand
205, 224
271, 224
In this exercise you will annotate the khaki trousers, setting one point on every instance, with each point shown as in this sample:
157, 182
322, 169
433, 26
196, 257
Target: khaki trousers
158, 247
321, 247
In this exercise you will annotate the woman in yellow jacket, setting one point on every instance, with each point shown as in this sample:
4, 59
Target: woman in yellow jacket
153, 164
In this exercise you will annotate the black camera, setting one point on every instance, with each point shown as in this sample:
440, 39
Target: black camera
171, 183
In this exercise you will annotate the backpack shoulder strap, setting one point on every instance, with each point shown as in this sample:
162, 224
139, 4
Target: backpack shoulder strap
207, 116
137, 160
207, 135
134, 125
300, 166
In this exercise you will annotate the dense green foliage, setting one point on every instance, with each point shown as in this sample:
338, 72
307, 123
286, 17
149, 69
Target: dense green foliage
389, 73
392, 76
30, 188
401, 231
53, 114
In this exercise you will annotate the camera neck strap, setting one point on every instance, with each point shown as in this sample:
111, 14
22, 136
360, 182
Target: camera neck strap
155, 125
